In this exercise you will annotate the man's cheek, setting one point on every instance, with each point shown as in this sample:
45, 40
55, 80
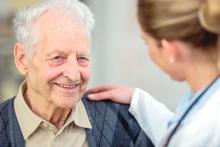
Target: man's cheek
85, 75
51, 74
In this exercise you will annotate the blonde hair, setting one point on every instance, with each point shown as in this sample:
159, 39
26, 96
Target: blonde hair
194, 21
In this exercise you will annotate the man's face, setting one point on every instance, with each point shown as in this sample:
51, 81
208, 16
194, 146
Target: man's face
59, 71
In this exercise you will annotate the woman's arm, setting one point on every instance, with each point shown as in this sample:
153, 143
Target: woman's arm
150, 114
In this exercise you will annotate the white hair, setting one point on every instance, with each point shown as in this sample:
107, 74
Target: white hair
26, 32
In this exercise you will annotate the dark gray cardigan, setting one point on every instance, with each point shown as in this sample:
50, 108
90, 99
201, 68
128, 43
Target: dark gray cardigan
112, 126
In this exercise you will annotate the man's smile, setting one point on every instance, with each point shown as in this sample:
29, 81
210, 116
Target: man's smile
67, 86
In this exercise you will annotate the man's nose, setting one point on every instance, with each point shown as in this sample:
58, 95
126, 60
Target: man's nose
71, 69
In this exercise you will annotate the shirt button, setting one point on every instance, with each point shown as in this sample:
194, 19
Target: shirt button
56, 139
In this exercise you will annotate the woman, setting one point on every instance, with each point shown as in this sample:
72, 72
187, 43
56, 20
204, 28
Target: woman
183, 39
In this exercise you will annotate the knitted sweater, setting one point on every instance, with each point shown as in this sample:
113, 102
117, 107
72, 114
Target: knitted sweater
112, 126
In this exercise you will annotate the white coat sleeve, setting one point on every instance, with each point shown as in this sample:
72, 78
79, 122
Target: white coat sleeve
151, 115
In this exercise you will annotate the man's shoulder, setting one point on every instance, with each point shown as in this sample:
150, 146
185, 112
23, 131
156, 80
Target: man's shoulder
117, 126
105, 107
10, 132
104, 103
5, 105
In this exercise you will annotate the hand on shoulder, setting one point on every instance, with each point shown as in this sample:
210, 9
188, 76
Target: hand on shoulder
116, 93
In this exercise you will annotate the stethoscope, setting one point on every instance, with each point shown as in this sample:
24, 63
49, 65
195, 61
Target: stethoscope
187, 111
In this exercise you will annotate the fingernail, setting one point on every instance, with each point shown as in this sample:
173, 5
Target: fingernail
92, 96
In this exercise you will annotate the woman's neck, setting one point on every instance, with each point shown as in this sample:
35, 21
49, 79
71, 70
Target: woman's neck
202, 75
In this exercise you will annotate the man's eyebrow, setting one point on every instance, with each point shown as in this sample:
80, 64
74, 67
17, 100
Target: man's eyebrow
84, 53
55, 50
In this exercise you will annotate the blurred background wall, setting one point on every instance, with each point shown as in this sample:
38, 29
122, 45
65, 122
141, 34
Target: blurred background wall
119, 55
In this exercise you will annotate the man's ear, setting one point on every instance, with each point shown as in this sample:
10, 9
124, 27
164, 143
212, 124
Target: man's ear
20, 59
171, 50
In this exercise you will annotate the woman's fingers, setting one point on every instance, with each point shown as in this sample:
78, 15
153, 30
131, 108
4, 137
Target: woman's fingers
100, 88
116, 93
100, 95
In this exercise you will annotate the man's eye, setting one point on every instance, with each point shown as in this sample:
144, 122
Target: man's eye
83, 59
57, 58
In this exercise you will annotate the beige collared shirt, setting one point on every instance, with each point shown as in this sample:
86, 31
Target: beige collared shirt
40, 133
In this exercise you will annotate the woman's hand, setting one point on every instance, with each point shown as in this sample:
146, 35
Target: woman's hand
116, 93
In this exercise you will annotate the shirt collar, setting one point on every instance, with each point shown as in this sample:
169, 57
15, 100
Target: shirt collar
79, 116
29, 121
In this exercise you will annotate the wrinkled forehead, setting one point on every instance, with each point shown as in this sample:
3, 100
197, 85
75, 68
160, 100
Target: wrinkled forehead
58, 31
54, 24
56, 16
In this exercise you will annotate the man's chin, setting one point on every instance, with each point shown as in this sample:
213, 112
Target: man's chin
67, 104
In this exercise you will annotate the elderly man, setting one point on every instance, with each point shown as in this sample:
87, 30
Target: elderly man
52, 52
